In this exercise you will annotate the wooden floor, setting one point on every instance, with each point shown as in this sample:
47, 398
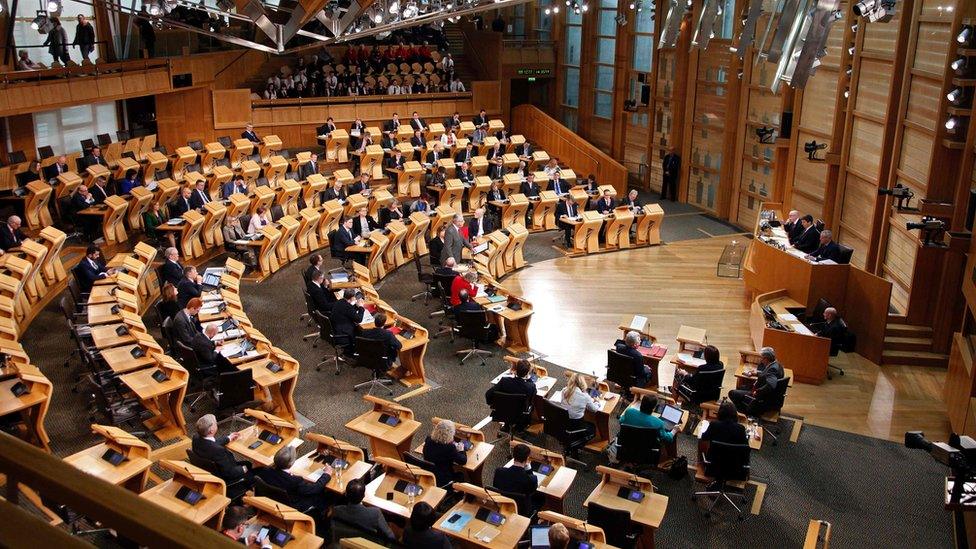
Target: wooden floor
580, 302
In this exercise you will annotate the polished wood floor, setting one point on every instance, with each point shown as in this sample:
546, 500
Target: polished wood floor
580, 302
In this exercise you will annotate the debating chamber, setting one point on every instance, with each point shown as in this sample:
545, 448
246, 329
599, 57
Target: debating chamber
436, 274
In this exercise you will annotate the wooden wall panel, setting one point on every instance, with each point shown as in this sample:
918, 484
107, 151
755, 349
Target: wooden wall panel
923, 103
933, 46
899, 263
873, 87
818, 106
708, 126
866, 138
184, 116
881, 38
231, 107
856, 213
20, 130
916, 156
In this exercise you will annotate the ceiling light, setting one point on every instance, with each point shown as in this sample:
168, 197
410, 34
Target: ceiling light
555, 9
548, 11
959, 65
38, 21
53, 6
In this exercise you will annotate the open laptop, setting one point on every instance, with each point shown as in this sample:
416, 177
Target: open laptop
670, 416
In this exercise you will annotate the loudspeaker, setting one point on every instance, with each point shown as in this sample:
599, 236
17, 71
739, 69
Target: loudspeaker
645, 95
786, 124
182, 80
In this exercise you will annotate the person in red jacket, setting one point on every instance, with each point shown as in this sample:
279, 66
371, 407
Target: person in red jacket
464, 282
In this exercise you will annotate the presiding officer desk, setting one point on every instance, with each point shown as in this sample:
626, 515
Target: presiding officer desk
780, 277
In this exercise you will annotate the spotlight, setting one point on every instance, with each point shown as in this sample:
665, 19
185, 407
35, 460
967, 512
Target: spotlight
863, 8
965, 35
548, 11
847, 93
586, 7
854, 28
850, 71
959, 65
632, 5
850, 50
956, 96
410, 10
39, 22
766, 135
555, 9
394, 6
378, 17
54, 6
951, 124
811, 149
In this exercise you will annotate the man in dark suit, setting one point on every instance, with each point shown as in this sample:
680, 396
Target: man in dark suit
394, 124
235, 186
347, 314
327, 128
762, 396
99, 190
82, 200
567, 208
833, 328
464, 174
249, 134
828, 249
518, 384
793, 227
10, 234
93, 157
355, 513
529, 187
518, 478
453, 121
336, 192
207, 445
809, 239
469, 152
481, 119
479, 225
388, 142
631, 200
302, 494
496, 169
182, 204
91, 268
495, 152
185, 323
200, 196
417, 123
314, 264
322, 297
671, 166
189, 286
344, 239
524, 151
391, 212
726, 429
396, 161
557, 185
171, 270
308, 168
606, 203
466, 304
361, 186
628, 348
206, 350
435, 154
380, 333
56, 169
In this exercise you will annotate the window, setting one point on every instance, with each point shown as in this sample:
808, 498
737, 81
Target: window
518, 22
570, 66
25, 37
543, 22
571, 95
605, 51
725, 23
63, 129
643, 40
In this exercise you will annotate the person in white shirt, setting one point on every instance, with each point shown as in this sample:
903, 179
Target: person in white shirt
456, 85
393, 89
449, 139
447, 63
577, 402
259, 220
270, 92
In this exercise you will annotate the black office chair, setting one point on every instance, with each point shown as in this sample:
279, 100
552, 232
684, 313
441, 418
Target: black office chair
195, 144
336, 252
235, 488
707, 388
417, 460
475, 327
443, 282
45, 152
511, 411
225, 141
104, 139
338, 342
767, 412
638, 447
277, 213
263, 489
523, 502
169, 337
557, 425
846, 252
233, 393
122, 135
616, 524
727, 467
620, 371
342, 529
427, 279
372, 354
87, 145
307, 315
205, 375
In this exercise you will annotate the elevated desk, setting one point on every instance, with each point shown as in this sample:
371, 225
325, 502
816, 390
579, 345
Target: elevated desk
800, 350
647, 514
164, 399
132, 473
208, 511
476, 532
264, 424
271, 513
383, 494
330, 450
385, 440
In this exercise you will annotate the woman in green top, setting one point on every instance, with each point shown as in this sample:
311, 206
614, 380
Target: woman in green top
152, 219
643, 417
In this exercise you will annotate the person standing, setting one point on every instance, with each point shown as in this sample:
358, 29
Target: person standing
84, 37
669, 184
57, 42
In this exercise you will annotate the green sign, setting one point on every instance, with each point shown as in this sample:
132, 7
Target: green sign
534, 72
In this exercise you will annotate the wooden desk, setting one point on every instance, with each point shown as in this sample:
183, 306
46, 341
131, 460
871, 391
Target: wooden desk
710, 413
805, 354
586, 232
272, 513
543, 215
131, 474
385, 440
649, 220
513, 209
382, 494
618, 228
557, 482
32, 406
600, 418
280, 385
356, 464
515, 324
647, 514
121, 361
508, 534
477, 454
164, 399
578, 529
208, 511
263, 422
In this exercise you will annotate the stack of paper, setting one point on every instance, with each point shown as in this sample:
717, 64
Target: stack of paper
690, 360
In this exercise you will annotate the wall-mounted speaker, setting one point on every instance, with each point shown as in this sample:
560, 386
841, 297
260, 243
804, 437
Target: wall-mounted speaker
182, 80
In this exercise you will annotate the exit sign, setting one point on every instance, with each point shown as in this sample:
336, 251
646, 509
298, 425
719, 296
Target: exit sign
534, 72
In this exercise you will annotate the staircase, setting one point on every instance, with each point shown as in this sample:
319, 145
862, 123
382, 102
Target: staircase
462, 65
908, 345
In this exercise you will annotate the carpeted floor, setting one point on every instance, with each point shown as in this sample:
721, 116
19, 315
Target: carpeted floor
875, 493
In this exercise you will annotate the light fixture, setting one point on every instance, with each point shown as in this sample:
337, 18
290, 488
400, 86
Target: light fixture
960, 66
854, 27
394, 6
548, 11
965, 35
847, 93
749, 24
811, 149
803, 45
555, 9
38, 21
54, 6
951, 124
849, 72
672, 23
955, 96
621, 19
850, 51
875, 11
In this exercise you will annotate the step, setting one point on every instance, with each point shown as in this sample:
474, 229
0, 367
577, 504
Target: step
901, 343
907, 330
914, 358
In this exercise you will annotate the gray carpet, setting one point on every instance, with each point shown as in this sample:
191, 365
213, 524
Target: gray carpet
876, 493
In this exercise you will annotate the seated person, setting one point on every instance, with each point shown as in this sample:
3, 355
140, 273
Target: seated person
606, 203
422, 204
347, 314
467, 304
447, 269
693, 379
190, 285
529, 187
833, 328
518, 478
10, 234
518, 384
381, 333
725, 428
182, 204
828, 249
356, 514
628, 348
577, 402
443, 452
167, 307
171, 270
558, 536
260, 219
567, 209
479, 225
392, 212
234, 231
466, 282
436, 246
322, 297
642, 416
208, 354
761, 397
91, 268
236, 186
420, 532
631, 200
792, 226
809, 239
302, 494
346, 238
207, 445
234, 524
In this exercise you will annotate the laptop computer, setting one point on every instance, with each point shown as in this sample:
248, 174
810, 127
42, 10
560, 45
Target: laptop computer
671, 416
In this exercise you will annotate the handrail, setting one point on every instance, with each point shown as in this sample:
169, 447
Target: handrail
303, 101
95, 69
125, 512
